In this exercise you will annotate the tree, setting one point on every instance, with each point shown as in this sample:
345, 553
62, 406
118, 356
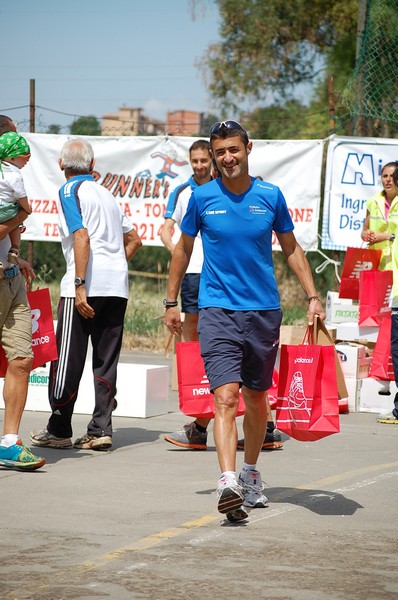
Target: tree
279, 121
273, 46
54, 128
207, 121
85, 126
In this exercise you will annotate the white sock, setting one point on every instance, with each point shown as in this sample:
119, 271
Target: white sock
229, 474
247, 467
9, 439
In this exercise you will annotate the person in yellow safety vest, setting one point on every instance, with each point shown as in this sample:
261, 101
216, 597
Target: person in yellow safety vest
379, 231
381, 222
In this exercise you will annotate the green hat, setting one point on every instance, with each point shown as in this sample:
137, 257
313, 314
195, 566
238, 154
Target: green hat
12, 145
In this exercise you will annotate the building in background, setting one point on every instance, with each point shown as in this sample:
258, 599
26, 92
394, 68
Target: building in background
184, 122
130, 121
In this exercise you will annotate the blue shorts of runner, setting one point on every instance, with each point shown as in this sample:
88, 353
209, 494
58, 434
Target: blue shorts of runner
239, 346
190, 293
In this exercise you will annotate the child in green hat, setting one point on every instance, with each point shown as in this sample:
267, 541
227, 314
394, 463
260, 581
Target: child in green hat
14, 154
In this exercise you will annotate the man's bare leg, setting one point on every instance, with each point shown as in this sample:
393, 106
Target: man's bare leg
189, 328
254, 423
226, 399
230, 495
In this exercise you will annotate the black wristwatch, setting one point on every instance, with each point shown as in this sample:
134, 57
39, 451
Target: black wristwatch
169, 303
392, 237
79, 281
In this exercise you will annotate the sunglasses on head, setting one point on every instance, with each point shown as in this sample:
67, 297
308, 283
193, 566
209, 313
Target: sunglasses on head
225, 125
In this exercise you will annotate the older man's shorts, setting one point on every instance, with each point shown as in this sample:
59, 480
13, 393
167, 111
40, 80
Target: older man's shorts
190, 293
15, 319
239, 346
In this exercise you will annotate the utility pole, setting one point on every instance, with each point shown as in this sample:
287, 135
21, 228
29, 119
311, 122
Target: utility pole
32, 105
32, 110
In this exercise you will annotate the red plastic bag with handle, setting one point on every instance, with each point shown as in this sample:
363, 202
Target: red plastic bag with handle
382, 367
374, 297
194, 394
308, 406
43, 335
355, 261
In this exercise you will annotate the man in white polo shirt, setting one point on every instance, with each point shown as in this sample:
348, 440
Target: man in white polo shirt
97, 242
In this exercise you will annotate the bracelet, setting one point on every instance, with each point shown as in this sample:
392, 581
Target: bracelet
311, 298
170, 303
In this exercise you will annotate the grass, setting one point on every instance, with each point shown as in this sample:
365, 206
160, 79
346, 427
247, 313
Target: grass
143, 324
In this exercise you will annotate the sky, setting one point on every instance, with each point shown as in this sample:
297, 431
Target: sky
90, 57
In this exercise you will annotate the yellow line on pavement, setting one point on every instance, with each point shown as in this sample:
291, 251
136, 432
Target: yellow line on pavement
149, 541
161, 536
348, 474
157, 538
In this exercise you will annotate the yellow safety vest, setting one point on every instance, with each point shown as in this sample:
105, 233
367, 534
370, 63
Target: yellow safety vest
379, 224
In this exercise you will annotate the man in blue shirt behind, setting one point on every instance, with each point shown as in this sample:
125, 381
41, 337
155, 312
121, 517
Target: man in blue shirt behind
240, 313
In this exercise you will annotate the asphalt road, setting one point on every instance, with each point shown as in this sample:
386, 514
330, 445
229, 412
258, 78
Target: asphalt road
140, 521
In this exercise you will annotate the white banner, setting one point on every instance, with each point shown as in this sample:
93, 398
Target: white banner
353, 171
141, 172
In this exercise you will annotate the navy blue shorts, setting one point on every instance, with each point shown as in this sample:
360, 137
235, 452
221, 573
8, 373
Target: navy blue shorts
239, 346
190, 293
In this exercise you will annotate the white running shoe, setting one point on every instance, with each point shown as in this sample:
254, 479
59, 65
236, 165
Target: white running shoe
252, 486
230, 498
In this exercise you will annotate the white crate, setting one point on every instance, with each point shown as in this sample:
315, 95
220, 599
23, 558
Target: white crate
142, 390
350, 332
370, 398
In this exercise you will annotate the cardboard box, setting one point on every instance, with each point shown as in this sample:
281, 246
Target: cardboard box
332, 330
364, 365
354, 387
340, 310
292, 334
350, 332
354, 362
370, 398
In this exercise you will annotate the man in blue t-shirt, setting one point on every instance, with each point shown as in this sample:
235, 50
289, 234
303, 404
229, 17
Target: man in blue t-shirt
240, 313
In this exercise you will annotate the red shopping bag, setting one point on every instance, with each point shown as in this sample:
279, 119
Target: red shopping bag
308, 407
194, 394
381, 367
374, 297
273, 391
43, 336
355, 261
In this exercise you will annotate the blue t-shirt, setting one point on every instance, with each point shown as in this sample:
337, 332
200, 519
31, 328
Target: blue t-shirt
236, 230
68, 195
171, 204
